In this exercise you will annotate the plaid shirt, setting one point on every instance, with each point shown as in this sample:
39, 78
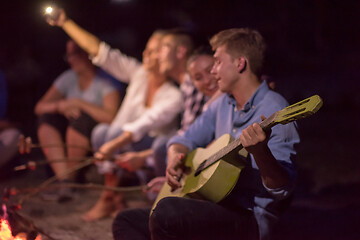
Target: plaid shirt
193, 103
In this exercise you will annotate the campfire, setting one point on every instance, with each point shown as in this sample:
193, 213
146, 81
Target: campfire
13, 224
6, 234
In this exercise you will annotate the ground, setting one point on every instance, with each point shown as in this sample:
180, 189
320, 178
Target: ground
332, 213
63, 220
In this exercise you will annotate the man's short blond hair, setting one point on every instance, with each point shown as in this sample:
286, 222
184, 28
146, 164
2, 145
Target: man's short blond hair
242, 42
182, 38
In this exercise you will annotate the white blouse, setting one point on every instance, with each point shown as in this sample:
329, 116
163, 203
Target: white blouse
133, 115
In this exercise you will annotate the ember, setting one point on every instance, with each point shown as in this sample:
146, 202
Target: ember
5, 232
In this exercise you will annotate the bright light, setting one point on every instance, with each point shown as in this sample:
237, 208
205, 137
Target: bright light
48, 10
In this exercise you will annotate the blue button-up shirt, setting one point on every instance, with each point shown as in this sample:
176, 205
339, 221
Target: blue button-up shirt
223, 117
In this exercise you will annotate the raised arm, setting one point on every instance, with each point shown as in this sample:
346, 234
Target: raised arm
113, 61
84, 39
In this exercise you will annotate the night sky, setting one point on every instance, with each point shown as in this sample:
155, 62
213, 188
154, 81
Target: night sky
311, 34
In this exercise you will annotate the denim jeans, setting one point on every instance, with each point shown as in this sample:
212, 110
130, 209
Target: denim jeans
103, 133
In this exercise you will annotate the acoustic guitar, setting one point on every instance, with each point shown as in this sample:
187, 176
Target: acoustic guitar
215, 170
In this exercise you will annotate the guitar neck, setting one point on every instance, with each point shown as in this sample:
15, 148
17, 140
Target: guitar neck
234, 146
222, 153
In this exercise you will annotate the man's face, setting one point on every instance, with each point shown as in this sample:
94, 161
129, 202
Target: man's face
167, 54
200, 72
224, 69
150, 58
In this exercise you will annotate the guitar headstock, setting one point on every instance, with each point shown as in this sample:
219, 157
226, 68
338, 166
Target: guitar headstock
299, 110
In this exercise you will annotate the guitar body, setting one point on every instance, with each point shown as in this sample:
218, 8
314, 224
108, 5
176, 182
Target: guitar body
214, 183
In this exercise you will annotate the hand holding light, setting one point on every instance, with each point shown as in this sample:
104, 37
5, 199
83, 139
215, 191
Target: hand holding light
55, 16
52, 12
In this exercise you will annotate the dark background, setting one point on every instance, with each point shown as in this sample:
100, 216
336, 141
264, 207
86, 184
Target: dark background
313, 48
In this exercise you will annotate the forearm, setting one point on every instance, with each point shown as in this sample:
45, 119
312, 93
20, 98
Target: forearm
99, 114
84, 39
47, 107
273, 174
145, 153
109, 148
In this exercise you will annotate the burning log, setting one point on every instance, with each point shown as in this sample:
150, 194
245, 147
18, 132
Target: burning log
13, 226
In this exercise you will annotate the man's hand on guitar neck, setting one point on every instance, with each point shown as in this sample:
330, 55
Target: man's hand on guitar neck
255, 140
175, 166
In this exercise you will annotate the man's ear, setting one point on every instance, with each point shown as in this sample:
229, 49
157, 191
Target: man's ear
241, 64
181, 52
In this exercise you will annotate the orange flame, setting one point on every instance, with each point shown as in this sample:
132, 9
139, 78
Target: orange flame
5, 232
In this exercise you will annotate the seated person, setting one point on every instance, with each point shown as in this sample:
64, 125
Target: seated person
267, 178
178, 43
9, 133
71, 108
199, 66
175, 50
150, 107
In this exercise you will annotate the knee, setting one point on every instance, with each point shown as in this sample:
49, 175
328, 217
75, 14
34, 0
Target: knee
118, 224
98, 135
112, 133
10, 136
159, 156
159, 148
131, 224
166, 217
45, 127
